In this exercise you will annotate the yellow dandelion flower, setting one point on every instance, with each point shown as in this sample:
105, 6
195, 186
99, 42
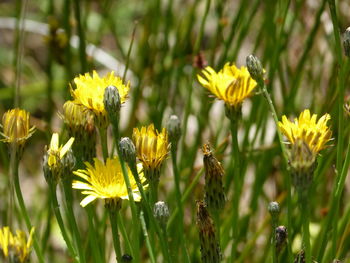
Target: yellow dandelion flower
16, 128
152, 147
230, 84
16, 245
314, 133
90, 90
106, 181
56, 151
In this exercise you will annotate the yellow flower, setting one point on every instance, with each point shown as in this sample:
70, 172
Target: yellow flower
16, 245
76, 116
56, 152
152, 147
90, 90
314, 134
16, 128
230, 84
106, 181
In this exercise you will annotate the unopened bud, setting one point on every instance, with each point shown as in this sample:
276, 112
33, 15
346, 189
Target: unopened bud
346, 42
174, 129
255, 68
161, 212
127, 149
300, 257
274, 209
112, 103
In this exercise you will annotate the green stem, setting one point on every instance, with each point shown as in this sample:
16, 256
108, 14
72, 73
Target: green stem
274, 250
145, 234
81, 34
135, 220
149, 211
116, 242
23, 209
304, 206
67, 187
56, 209
93, 237
235, 157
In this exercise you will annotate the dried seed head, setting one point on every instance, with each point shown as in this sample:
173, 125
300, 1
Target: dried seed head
281, 237
210, 249
214, 190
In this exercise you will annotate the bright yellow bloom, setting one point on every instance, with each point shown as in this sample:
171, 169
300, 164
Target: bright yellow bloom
152, 147
56, 151
230, 84
314, 134
16, 128
16, 245
90, 90
106, 181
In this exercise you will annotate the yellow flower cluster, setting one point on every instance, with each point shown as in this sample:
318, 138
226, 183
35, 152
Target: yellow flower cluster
16, 245
106, 181
230, 84
306, 128
56, 151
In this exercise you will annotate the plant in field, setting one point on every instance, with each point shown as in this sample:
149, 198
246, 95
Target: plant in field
15, 248
106, 181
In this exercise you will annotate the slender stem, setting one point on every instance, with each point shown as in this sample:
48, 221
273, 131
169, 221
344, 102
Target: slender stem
67, 187
129, 52
116, 242
82, 45
93, 237
304, 206
235, 157
145, 234
135, 220
149, 211
23, 209
124, 233
56, 209
274, 250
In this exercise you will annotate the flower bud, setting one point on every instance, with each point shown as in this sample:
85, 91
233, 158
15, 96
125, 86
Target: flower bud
126, 258
255, 68
161, 212
300, 257
128, 151
346, 42
274, 209
210, 248
174, 129
112, 103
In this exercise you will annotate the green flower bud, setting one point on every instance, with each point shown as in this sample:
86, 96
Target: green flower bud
255, 68
174, 129
161, 212
112, 103
274, 209
128, 151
